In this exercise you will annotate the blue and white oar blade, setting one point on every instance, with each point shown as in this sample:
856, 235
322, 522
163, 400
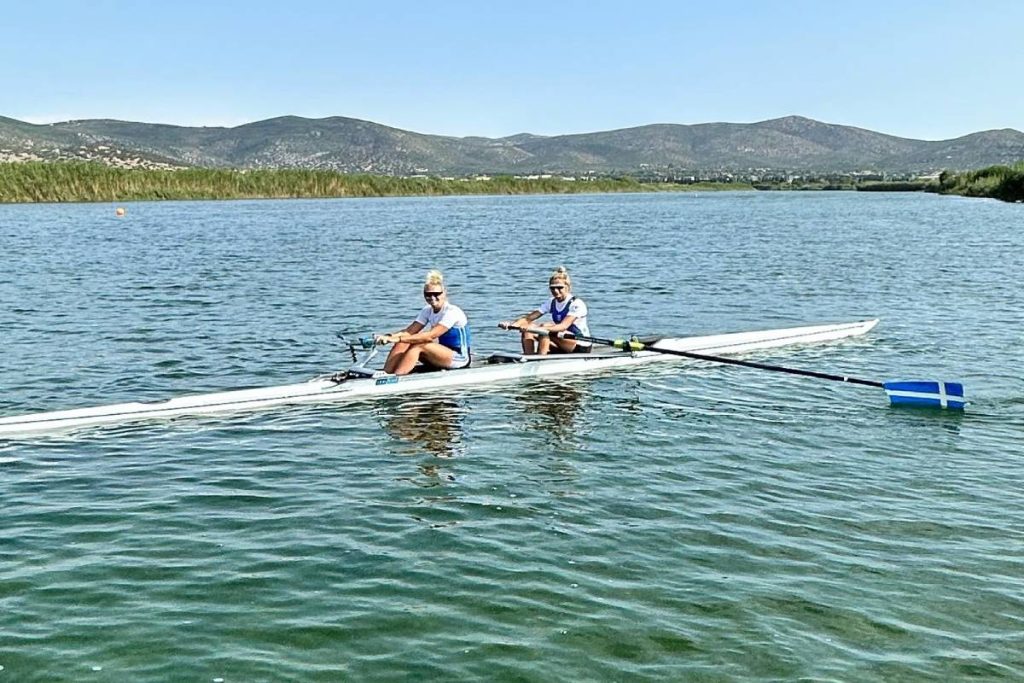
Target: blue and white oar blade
927, 393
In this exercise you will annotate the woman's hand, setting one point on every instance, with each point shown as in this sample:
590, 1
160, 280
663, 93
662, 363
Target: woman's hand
383, 339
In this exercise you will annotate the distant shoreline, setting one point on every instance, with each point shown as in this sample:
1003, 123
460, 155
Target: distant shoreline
43, 182
1005, 183
56, 182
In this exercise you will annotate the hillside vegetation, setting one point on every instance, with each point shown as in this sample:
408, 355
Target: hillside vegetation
792, 144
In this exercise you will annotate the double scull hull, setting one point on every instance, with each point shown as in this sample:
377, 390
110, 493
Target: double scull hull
371, 385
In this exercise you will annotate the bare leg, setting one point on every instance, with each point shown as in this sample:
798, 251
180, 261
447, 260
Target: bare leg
432, 354
529, 343
395, 356
407, 361
565, 345
544, 345
437, 355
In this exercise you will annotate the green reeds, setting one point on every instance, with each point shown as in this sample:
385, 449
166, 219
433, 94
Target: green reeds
999, 182
92, 182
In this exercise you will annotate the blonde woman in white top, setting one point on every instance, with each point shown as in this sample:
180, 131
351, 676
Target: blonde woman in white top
568, 314
438, 338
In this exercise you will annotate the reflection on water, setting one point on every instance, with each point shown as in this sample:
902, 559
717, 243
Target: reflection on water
431, 424
927, 418
554, 407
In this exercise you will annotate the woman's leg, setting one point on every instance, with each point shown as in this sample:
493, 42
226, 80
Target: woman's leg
544, 345
395, 356
529, 343
432, 354
565, 345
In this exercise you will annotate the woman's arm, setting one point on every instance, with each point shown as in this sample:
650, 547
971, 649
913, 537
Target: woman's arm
402, 335
415, 336
522, 322
566, 323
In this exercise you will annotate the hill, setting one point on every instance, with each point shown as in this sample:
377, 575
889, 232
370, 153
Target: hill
792, 144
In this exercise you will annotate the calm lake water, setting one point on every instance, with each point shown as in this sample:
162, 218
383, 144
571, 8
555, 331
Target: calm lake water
679, 522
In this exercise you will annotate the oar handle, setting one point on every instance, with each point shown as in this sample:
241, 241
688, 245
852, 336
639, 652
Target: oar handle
625, 345
540, 332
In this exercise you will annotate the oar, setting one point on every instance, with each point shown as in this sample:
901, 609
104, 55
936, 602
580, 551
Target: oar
932, 393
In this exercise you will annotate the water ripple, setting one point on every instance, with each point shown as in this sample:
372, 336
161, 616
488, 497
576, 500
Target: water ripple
673, 522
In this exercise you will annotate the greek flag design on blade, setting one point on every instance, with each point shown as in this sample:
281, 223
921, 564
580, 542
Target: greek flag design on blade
941, 394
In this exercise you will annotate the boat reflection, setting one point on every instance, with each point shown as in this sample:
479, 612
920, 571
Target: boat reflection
554, 408
427, 424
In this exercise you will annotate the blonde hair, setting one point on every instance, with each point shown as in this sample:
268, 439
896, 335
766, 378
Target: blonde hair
561, 274
434, 277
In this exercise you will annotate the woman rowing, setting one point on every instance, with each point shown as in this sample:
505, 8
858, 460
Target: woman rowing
438, 337
568, 314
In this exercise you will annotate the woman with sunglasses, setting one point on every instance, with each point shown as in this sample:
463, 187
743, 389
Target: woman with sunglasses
438, 337
568, 314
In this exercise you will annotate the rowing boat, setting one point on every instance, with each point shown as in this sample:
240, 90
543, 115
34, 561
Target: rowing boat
361, 382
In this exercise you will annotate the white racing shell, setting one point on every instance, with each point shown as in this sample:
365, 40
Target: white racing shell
360, 383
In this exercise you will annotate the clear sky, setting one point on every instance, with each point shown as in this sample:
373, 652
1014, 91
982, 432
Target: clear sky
929, 70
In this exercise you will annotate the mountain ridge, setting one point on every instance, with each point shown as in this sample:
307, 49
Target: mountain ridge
789, 144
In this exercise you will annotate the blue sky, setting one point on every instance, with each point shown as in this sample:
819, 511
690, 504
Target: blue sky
930, 70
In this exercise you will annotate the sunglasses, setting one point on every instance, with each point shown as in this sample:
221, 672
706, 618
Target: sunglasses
556, 288
432, 295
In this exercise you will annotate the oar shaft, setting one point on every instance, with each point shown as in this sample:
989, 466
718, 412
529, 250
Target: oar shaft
628, 345
780, 368
904, 392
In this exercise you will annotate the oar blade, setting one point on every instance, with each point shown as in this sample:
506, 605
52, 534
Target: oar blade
926, 393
